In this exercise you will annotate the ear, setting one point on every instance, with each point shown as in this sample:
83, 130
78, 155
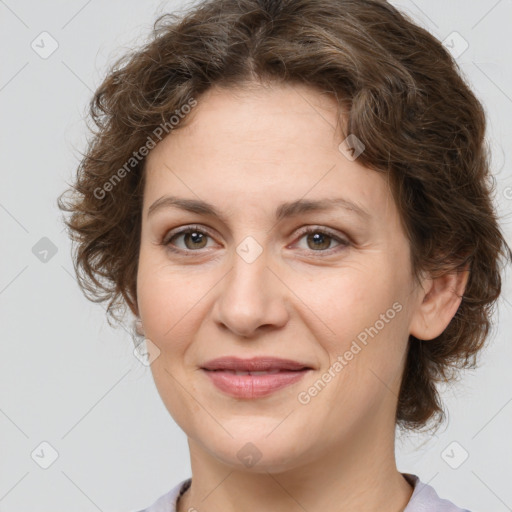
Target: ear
439, 301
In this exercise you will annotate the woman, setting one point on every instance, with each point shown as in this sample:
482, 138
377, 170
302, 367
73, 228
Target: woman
292, 198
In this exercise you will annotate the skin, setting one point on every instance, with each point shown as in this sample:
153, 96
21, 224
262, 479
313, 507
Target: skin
246, 151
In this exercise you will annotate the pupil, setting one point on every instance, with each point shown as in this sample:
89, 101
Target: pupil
319, 237
196, 237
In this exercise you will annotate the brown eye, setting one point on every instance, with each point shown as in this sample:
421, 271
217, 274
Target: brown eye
193, 239
320, 241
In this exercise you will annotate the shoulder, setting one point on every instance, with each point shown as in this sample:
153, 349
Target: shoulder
167, 502
425, 499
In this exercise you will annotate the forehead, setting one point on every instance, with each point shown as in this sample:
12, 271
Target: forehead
269, 111
258, 146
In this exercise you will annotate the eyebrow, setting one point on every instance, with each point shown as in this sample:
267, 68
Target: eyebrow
283, 211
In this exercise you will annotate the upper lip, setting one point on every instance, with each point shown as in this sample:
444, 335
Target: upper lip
254, 364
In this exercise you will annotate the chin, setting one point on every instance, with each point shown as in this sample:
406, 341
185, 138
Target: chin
252, 449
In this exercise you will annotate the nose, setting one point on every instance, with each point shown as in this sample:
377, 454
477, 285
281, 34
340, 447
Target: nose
252, 299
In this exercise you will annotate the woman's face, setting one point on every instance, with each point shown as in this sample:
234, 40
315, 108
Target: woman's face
251, 283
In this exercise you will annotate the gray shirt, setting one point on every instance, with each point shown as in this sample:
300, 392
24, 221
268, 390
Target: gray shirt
424, 498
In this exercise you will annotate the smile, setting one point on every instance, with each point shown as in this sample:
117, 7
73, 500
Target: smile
253, 384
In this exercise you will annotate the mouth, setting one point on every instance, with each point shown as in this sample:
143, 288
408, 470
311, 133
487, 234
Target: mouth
253, 365
253, 378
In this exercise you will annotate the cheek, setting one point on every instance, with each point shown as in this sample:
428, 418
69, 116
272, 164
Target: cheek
351, 298
365, 310
164, 297
173, 303
170, 308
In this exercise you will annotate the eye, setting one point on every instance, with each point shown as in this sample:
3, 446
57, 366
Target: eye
320, 240
193, 239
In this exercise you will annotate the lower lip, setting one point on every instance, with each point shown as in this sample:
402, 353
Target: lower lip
253, 386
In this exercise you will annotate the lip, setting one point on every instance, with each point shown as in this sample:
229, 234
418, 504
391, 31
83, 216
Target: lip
254, 364
282, 373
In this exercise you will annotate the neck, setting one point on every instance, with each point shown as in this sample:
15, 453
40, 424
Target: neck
360, 475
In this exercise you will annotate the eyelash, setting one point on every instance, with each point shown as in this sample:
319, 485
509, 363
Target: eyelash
166, 241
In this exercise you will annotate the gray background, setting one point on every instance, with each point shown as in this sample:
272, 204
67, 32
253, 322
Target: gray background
70, 380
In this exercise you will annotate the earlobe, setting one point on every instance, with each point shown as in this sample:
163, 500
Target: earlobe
438, 303
138, 327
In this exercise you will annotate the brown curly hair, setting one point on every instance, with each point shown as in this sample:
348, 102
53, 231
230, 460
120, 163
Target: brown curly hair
398, 90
